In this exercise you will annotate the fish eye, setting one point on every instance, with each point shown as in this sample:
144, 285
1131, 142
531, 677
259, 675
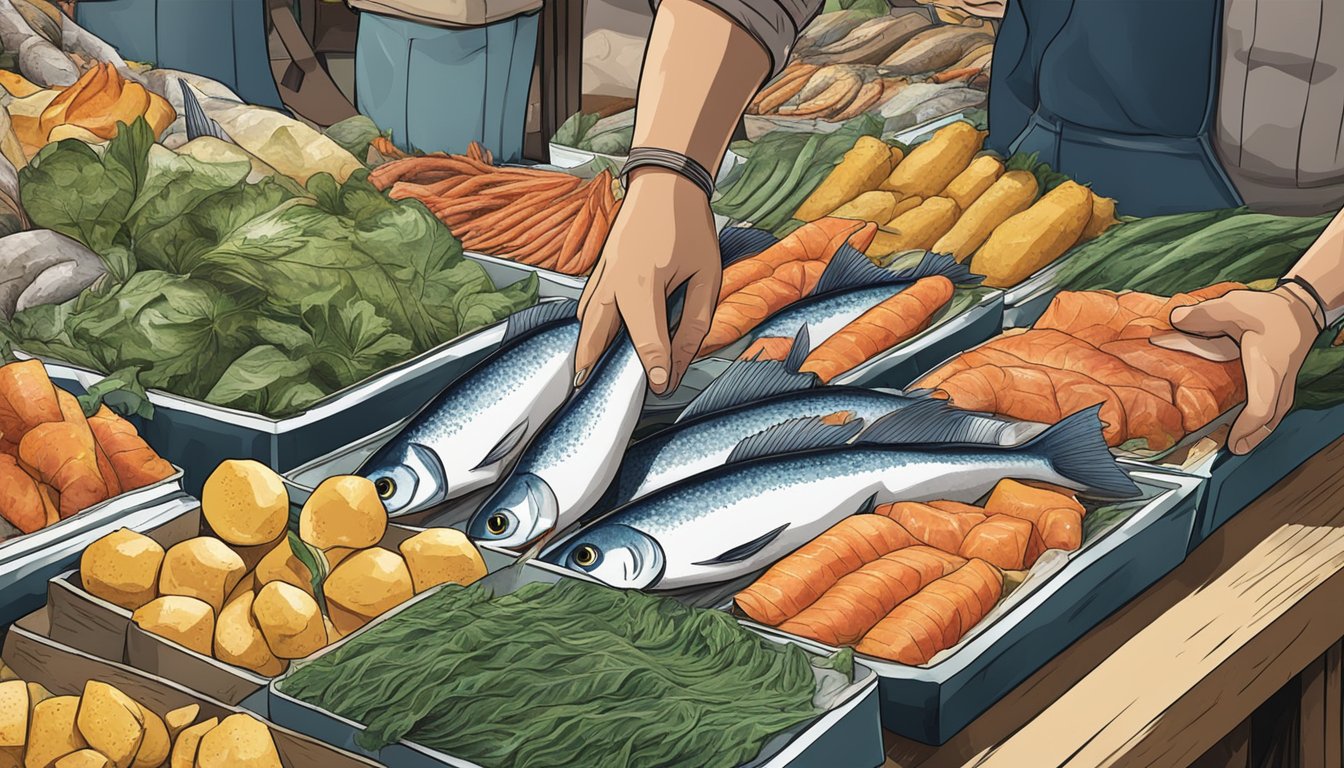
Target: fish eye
585, 556
497, 523
385, 486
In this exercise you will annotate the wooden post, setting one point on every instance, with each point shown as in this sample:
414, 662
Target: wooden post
1234, 751
1320, 723
558, 71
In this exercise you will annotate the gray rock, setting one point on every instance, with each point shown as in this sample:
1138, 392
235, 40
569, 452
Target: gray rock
43, 267
45, 64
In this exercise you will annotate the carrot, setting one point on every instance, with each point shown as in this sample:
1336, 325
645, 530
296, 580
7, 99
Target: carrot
135, 463
857, 602
768, 348
937, 617
27, 398
894, 321
592, 247
578, 231
798, 580
510, 216
20, 502
508, 239
819, 240
932, 526
57, 453
1057, 517
1004, 541
414, 167
948, 75
402, 190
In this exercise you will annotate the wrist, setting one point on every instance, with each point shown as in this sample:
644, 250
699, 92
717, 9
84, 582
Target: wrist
662, 182
1303, 302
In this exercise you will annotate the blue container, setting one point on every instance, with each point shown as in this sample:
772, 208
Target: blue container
439, 88
224, 40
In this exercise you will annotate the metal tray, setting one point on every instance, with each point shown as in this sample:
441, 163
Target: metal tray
948, 335
847, 735
197, 436
28, 562
1063, 597
1025, 302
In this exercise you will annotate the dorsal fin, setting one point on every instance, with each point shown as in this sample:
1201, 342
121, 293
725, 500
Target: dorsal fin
198, 123
744, 551
794, 435
849, 269
921, 422
738, 243
746, 381
802, 347
538, 315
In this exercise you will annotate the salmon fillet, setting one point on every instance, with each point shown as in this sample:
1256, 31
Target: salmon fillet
1003, 541
932, 526
1057, 349
1057, 516
938, 617
1204, 389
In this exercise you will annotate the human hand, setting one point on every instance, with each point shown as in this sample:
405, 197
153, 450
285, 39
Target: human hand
1274, 331
663, 237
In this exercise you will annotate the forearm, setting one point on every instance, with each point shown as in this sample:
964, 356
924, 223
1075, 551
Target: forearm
1323, 266
700, 72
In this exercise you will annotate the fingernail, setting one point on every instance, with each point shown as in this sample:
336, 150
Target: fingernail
1243, 447
658, 378
580, 377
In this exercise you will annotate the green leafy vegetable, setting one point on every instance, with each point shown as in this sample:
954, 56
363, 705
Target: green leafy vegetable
120, 391
244, 295
1047, 177
315, 561
354, 134
574, 130
610, 677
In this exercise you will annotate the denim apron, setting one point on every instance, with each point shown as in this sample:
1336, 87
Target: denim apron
1119, 94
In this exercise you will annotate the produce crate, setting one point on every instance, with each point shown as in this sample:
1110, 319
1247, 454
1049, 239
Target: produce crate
94, 626
28, 561
34, 656
197, 436
950, 333
1064, 596
846, 736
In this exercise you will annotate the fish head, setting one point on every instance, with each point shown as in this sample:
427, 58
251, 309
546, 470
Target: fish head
521, 511
408, 479
614, 554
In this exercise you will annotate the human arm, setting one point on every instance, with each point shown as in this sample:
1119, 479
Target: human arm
1274, 331
701, 70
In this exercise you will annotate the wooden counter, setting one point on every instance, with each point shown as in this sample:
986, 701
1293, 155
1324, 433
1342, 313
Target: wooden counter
1181, 666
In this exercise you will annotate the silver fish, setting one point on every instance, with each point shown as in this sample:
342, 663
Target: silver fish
752, 396
740, 518
468, 437
566, 470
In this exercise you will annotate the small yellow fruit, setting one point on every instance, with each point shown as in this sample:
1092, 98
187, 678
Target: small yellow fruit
238, 639
280, 564
155, 745
245, 502
441, 556
184, 749
14, 708
52, 733
290, 620
204, 568
344, 511
186, 621
364, 586
110, 722
122, 568
240, 741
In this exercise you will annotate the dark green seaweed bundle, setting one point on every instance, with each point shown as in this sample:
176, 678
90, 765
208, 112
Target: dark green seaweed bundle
569, 674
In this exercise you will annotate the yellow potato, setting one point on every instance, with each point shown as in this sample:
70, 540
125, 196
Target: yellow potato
186, 621
364, 586
441, 556
13, 713
37, 693
52, 733
290, 620
154, 746
238, 639
185, 747
240, 741
110, 722
245, 503
280, 564
122, 568
204, 568
85, 758
180, 718
344, 511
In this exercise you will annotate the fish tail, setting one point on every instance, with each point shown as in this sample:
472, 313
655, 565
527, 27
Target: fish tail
1076, 449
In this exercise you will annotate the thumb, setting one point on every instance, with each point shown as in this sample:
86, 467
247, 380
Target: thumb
1216, 317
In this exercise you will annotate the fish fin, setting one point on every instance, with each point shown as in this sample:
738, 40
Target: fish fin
743, 551
538, 315
869, 506
505, 445
934, 264
795, 435
738, 243
923, 422
198, 123
746, 381
850, 268
802, 347
1077, 451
